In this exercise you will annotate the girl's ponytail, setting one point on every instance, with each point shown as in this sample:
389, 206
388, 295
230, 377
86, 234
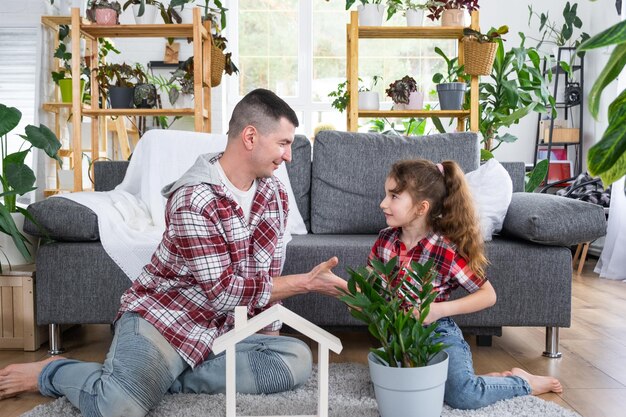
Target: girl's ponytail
458, 220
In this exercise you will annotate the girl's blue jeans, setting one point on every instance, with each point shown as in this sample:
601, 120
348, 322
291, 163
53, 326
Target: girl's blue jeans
141, 367
464, 389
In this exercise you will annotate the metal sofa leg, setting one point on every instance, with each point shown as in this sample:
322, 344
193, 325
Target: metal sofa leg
54, 332
552, 343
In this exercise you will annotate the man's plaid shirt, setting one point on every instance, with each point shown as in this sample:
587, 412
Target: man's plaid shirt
451, 268
209, 261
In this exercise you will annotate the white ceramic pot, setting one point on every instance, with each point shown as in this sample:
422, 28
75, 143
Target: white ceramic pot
369, 100
9, 250
186, 14
185, 101
409, 392
149, 14
416, 101
414, 17
371, 14
453, 17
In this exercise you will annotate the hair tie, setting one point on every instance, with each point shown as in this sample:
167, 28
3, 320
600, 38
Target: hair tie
440, 167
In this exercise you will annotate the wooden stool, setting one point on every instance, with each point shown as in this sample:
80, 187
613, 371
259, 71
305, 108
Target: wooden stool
580, 255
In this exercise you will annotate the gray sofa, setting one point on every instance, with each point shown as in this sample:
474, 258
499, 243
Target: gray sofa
338, 193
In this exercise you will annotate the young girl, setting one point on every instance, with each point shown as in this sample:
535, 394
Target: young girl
430, 214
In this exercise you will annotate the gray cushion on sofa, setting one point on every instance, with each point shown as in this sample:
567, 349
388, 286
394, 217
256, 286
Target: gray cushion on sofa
63, 219
553, 220
342, 159
108, 174
299, 170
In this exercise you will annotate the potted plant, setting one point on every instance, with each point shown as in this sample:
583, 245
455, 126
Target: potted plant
63, 76
117, 82
405, 94
368, 99
480, 49
17, 179
221, 61
185, 13
413, 10
370, 12
104, 12
451, 92
182, 84
144, 93
144, 11
452, 12
410, 368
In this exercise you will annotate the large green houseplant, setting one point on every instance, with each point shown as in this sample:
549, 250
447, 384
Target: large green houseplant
394, 302
17, 178
607, 158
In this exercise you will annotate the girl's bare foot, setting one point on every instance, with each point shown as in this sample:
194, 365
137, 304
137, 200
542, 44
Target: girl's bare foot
22, 377
504, 373
539, 384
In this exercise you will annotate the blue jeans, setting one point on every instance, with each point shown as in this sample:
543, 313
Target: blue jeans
464, 389
141, 367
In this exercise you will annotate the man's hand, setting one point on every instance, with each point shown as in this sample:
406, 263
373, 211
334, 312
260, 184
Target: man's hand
323, 280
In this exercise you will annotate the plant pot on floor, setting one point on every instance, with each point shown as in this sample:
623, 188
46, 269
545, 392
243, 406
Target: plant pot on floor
10, 255
369, 100
65, 85
409, 392
451, 95
121, 97
149, 14
453, 17
414, 17
371, 14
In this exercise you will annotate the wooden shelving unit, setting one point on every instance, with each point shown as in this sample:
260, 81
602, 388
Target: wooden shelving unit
198, 32
356, 32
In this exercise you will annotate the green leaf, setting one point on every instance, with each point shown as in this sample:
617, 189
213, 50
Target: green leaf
7, 225
9, 119
536, 176
438, 125
43, 138
611, 71
614, 35
485, 155
18, 175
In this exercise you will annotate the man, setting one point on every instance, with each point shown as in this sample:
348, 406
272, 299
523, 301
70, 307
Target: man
222, 247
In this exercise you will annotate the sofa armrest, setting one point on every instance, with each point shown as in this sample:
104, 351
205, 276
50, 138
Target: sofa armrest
553, 220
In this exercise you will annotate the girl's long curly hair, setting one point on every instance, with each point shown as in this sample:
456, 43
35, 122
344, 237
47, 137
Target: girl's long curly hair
452, 213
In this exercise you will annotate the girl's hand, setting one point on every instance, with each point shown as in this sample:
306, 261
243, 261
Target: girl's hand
437, 311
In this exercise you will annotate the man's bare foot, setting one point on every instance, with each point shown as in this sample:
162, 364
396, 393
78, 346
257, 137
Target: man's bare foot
539, 384
504, 373
22, 377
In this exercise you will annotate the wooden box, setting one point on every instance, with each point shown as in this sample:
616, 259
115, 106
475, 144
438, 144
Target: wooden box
18, 324
561, 135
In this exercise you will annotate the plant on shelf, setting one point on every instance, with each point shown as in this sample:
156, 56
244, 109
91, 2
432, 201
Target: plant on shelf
116, 82
17, 178
607, 157
394, 301
400, 90
170, 13
480, 49
395, 6
222, 60
436, 10
341, 96
104, 12
450, 90
63, 75
181, 81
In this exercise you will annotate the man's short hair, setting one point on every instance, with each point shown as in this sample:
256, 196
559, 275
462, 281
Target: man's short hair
262, 109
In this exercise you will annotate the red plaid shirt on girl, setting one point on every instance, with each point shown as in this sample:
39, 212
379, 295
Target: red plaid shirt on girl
451, 268
209, 261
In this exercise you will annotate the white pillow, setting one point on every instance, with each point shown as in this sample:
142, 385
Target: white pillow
492, 189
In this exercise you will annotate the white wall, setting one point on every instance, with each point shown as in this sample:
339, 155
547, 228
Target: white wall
596, 16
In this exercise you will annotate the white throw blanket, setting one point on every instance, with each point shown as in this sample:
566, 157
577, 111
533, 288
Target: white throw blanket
131, 218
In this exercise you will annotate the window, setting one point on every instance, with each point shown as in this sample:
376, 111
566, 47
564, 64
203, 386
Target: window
298, 50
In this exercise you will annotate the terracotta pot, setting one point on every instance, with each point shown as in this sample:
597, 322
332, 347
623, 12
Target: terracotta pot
106, 17
453, 17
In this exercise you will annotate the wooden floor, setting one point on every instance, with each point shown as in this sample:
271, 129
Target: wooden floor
592, 369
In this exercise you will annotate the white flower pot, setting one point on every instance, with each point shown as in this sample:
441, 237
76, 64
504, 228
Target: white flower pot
371, 14
416, 101
408, 392
185, 101
186, 14
149, 14
368, 100
414, 17
10, 254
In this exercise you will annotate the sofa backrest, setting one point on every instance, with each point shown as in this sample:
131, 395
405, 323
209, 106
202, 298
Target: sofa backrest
349, 170
299, 170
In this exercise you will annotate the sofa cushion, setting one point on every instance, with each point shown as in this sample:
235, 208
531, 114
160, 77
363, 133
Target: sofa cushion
349, 171
63, 219
299, 170
553, 220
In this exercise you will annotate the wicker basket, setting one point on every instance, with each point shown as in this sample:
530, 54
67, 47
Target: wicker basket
218, 62
479, 57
